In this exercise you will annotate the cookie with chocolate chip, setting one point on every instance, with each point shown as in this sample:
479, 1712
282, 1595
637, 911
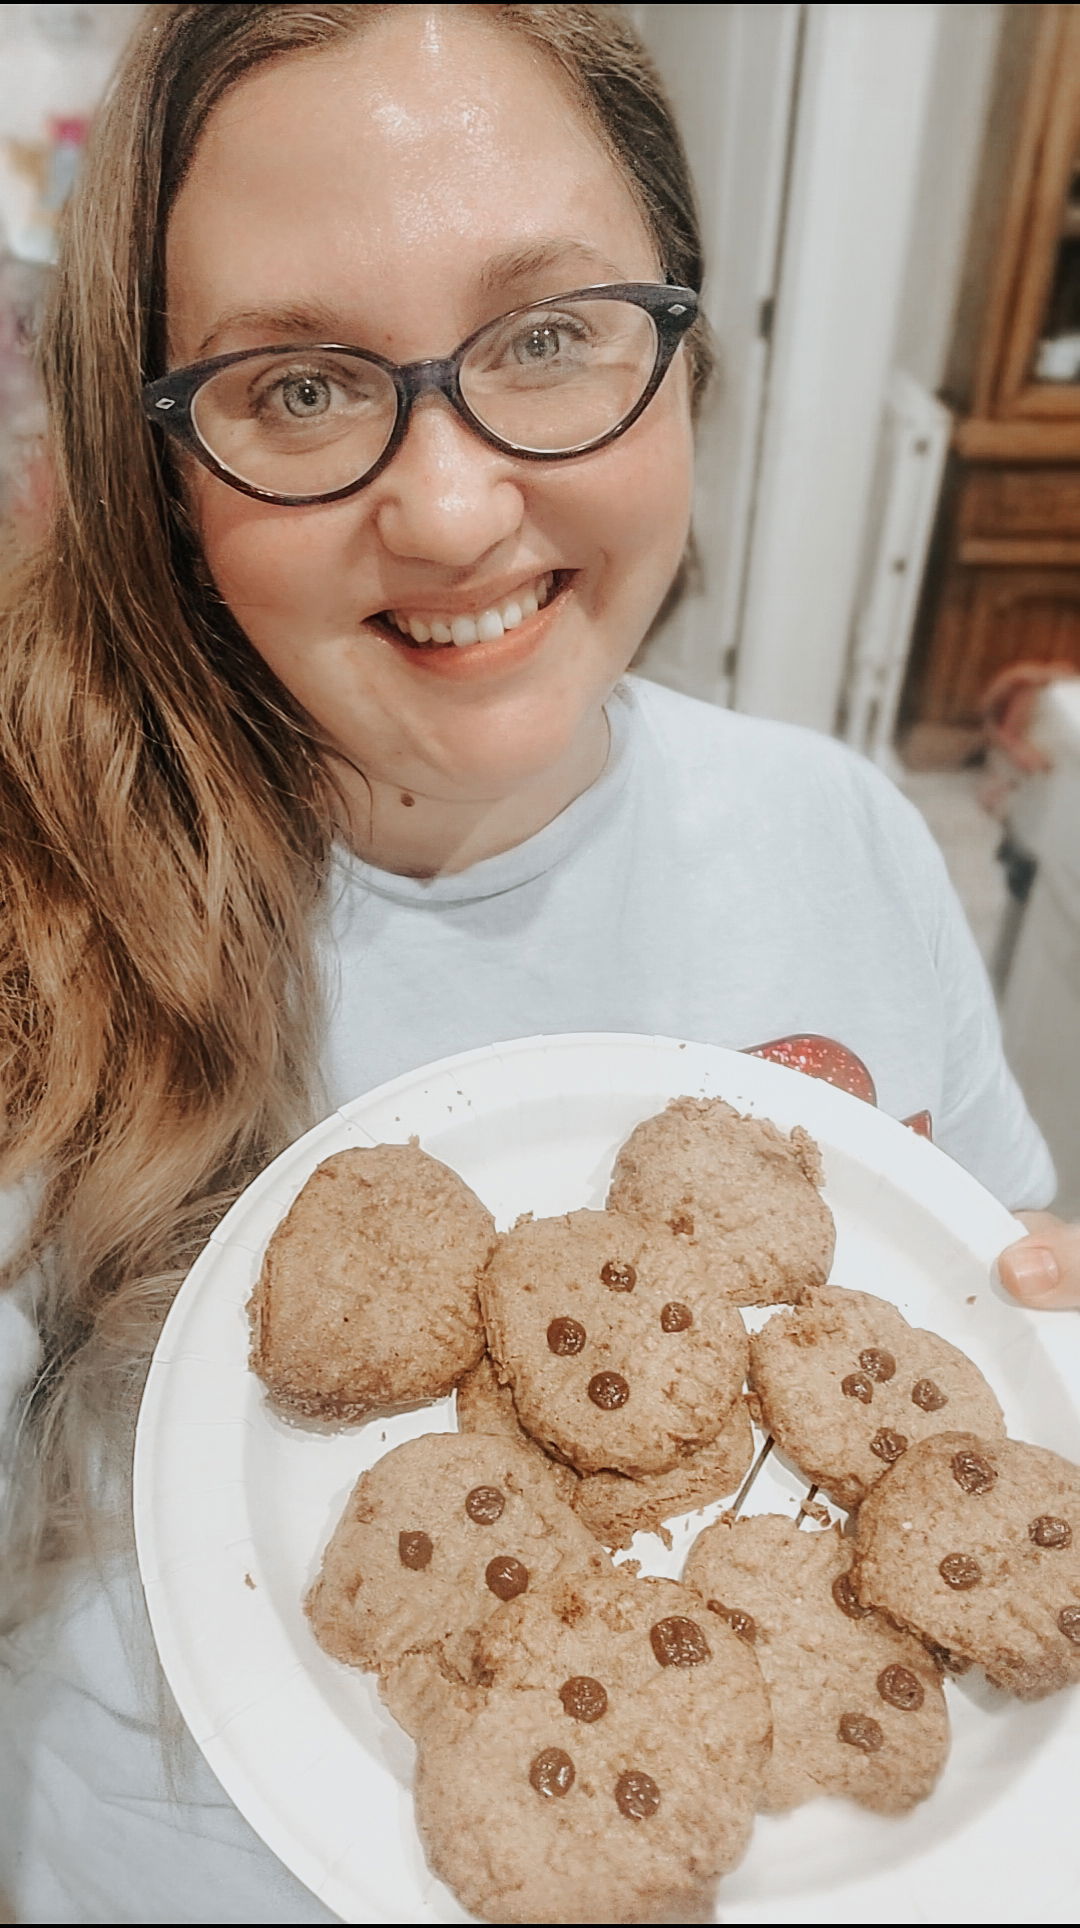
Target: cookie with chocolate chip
858, 1708
366, 1298
606, 1765
434, 1536
974, 1543
484, 1405
621, 1353
612, 1505
615, 1507
847, 1387
746, 1194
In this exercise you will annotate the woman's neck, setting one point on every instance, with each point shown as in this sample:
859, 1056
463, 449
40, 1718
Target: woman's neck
416, 834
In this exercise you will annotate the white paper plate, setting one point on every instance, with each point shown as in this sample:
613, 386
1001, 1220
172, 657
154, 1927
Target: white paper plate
233, 1507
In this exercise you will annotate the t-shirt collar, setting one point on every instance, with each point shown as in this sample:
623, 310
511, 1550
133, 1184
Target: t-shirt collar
526, 861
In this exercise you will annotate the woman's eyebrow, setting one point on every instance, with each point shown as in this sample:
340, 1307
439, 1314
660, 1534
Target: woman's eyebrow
547, 255
310, 318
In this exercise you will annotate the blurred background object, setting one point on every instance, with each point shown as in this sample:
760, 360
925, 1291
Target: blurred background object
1003, 587
22, 411
54, 64
1041, 993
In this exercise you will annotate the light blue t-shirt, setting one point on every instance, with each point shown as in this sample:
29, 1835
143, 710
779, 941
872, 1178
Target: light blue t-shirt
725, 880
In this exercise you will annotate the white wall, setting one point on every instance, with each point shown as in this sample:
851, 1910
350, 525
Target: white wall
729, 71
963, 69
858, 142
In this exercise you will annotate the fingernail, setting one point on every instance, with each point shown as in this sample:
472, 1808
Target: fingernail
1034, 1273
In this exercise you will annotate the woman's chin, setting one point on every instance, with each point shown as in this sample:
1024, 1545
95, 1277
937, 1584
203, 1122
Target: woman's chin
509, 759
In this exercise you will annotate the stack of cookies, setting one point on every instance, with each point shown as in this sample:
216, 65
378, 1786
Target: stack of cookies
593, 1745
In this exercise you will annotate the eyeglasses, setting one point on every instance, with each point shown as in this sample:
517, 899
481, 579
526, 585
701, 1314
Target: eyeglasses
296, 425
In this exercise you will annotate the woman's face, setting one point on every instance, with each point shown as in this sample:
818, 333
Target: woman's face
394, 193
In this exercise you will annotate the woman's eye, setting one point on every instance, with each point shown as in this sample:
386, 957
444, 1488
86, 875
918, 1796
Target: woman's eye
298, 396
306, 395
302, 395
550, 343
541, 343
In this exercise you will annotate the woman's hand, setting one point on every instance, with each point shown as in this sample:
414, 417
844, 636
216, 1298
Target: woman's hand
1043, 1270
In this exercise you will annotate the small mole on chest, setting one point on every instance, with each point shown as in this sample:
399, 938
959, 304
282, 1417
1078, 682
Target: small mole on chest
407, 800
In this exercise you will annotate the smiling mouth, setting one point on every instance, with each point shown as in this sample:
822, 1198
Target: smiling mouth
488, 626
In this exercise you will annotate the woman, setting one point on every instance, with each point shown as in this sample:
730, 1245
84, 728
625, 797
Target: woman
317, 761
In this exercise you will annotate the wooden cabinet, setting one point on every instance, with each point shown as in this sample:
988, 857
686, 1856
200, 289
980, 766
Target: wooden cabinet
1004, 578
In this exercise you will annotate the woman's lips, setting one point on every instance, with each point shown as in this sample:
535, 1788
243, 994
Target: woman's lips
473, 661
439, 630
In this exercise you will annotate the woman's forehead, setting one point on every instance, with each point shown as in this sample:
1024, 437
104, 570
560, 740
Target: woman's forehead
428, 168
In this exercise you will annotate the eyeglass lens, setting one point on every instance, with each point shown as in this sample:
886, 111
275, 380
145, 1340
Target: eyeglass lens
548, 380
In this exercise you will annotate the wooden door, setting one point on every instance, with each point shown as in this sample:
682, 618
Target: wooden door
991, 617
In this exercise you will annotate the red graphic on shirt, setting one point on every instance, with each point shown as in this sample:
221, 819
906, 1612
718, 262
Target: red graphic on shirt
824, 1058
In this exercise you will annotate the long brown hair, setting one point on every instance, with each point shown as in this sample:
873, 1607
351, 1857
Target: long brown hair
165, 817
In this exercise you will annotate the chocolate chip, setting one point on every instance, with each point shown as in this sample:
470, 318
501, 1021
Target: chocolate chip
484, 1504
929, 1396
1048, 1531
960, 1570
888, 1445
552, 1773
682, 1222
901, 1688
636, 1795
741, 1623
858, 1385
608, 1390
676, 1317
565, 1336
414, 1550
861, 1731
879, 1364
583, 1698
843, 1592
1069, 1622
972, 1472
506, 1576
678, 1642
619, 1274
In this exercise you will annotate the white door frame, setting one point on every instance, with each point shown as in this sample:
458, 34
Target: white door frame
862, 99
731, 72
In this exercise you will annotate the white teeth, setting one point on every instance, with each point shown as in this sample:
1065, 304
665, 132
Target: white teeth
463, 631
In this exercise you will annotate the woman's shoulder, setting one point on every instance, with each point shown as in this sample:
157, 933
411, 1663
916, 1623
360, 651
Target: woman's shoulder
725, 755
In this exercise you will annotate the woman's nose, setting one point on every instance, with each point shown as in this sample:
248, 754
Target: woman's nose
446, 497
